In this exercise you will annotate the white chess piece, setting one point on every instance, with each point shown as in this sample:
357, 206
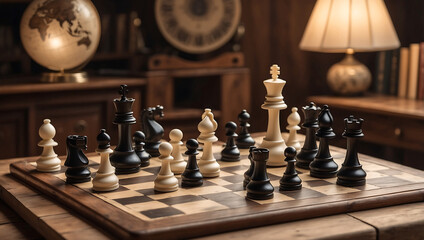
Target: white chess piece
207, 127
165, 180
105, 179
48, 161
178, 165
274, 103
293, 120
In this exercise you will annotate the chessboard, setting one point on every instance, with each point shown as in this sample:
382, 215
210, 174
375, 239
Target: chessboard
136, 211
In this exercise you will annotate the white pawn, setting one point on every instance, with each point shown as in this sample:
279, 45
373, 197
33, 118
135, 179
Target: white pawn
293, 121
105, 179
165, 180
178, 165
48, 161
207, 127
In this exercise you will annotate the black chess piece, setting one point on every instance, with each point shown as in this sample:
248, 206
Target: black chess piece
191, 177
153, 130
76, 161
230, 153
309, 149
123, 157
351, 173
138, 138
103, 140
323, 165
244, 140
290, 180
260, 187
249, 172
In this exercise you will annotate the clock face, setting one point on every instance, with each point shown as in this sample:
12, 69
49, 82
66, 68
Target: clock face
197, 26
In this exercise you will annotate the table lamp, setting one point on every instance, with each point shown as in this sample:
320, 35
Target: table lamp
349, 26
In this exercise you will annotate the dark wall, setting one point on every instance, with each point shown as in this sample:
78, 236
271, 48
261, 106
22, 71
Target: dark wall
274, 29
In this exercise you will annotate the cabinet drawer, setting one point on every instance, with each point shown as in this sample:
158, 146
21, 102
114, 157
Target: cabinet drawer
13, 140
394, 131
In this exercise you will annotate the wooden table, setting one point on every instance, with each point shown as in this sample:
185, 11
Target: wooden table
393, 127
54, 221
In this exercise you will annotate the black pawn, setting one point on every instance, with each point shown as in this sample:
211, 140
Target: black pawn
260, 187
290, 180
248, 174
244, 140
138, 138
191, 176
351, 173
76, 161
323, 165
230, 153
309, 149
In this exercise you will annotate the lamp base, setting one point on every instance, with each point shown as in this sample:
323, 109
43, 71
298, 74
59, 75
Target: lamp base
349, 77
54, 77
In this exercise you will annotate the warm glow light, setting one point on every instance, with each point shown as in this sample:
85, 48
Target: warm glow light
55, 43
362, 25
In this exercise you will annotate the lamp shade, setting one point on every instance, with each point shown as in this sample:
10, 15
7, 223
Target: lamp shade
361, 25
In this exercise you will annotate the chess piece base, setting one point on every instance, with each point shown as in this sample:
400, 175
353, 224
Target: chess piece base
195, 183
125, 162
77, 175
145, 163
305, 157
351, 183
245, 142
166, 189
290, 187
48, 164
276, 152
323, 168
105, 189
260, 190
351, 176
230, 158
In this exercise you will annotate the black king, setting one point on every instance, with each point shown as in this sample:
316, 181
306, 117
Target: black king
124, 158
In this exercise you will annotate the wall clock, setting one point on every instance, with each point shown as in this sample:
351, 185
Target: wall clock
197, 26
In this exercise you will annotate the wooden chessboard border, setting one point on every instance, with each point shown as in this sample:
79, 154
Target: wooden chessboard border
124, 225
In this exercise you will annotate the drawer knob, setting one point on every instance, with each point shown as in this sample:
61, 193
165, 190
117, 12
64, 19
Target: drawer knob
398, 132
80, 126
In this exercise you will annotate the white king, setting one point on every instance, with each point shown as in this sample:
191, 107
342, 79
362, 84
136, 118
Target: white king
274, 103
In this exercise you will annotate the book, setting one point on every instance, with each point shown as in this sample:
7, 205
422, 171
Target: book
414, 51
105, 45
421, 73
394, 72
379, 75
120, 34
384, 63
403, 72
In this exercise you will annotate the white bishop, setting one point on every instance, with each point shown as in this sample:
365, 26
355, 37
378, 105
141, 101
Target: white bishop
293, 120
207, 127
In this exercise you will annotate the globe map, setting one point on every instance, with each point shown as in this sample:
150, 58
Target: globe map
60, 34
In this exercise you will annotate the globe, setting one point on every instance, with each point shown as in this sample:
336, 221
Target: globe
61, 35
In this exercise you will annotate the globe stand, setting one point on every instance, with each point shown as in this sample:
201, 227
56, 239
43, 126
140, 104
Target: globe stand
68, 77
